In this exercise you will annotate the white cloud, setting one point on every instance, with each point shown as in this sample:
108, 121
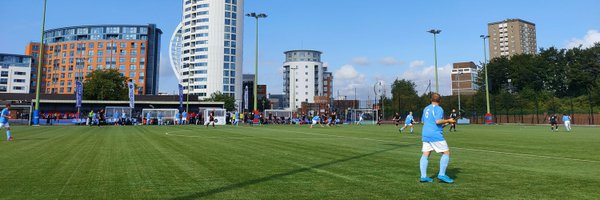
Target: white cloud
361, 61
167, 80
592, 37
390, 61
422, 75
347, 79
416, 63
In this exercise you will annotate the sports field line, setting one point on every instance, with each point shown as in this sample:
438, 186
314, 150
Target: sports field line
377, 140
317, 170
468, 149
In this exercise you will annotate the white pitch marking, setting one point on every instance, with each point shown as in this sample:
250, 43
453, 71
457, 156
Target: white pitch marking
468, 149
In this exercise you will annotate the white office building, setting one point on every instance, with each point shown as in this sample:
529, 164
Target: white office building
303, 76
15, 73
206, 48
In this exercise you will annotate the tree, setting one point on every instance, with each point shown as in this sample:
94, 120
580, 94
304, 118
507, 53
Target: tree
105, 85
498, 74
263, 104
554, 63
220, 97
404, 96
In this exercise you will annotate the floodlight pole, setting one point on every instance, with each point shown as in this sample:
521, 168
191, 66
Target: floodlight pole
487, 89
435, 32
36, 112
255, 90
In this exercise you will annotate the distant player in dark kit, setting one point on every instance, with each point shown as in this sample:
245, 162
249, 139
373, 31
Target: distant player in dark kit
332, 119
553, 123
397, 119
211, 120
379, 119
453, 116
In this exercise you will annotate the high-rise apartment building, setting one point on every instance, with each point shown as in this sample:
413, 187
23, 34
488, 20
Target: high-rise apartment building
304, 76
327, 84
15, 73
511, 37
71, 53
464, 78
206, 48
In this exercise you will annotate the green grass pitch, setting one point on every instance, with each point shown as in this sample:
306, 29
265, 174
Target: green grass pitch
293, 162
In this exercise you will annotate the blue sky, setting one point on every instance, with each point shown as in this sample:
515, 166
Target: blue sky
362, 41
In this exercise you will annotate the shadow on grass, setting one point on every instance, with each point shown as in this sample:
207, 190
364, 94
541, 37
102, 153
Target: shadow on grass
453, 172
280, 175
400, 145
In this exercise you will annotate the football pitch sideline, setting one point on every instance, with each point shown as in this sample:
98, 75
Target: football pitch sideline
295, 162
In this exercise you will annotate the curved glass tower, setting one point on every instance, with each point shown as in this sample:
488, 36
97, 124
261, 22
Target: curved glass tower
206, 48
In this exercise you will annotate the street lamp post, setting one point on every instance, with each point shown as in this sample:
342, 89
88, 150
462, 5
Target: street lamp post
435, 32
488, 115
257, 16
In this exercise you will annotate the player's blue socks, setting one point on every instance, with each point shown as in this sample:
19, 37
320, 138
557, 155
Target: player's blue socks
423, 164
7, 135
444, 164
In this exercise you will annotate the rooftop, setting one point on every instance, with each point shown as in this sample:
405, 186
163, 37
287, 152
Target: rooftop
511, 20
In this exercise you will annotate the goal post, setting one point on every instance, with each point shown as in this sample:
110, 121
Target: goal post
370, 116
163, 116
111, 111
220, 115
278, 116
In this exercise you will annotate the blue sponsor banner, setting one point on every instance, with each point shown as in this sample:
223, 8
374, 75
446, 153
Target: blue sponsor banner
131, 87
181, 96
78, 93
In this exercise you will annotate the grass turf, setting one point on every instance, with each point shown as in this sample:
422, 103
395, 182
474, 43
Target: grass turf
291, 162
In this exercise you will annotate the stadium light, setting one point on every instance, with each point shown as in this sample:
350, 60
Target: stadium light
435, 32
257, 16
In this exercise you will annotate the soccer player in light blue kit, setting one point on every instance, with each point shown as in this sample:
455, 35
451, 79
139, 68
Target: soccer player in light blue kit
4, 115
116, 118
236, 118
408, 122
123, 118
316, 119
177, 118
567, 120
159, 116
148, 115
184, 117
433, 139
